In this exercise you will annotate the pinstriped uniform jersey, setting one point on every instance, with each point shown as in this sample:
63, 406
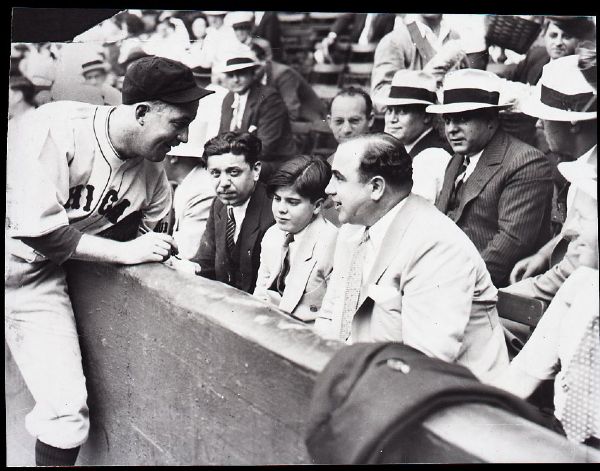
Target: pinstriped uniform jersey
64, 170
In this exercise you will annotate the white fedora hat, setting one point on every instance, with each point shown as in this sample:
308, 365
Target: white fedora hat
562, 93
238, 60
469, 89
411, 87
235, 18
94, 63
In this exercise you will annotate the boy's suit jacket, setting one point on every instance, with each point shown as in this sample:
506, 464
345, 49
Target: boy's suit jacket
212, 255
428, 288
310, 268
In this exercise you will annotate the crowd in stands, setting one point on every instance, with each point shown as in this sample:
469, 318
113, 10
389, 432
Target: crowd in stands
378, 176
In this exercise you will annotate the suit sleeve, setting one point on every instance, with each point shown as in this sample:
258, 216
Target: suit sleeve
288, 85
522, 212
437, 299
205, 257
271, 124
391, 55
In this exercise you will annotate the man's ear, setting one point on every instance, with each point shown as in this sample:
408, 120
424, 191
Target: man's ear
318, 206
377, 187
141, 110
371, 120
256, 170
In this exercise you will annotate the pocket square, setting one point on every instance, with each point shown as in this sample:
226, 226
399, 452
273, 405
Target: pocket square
381, 293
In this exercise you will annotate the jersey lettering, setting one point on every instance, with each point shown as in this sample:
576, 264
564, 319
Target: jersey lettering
112, 213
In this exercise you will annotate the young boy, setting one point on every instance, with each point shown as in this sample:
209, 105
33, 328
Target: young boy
297, 252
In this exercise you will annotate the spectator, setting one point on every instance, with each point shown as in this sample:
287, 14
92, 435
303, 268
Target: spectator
396, 279
220, 38
406, 120
267, 27
253, 107
301, 101
497, 189
410, 45
570, 124
350, 114
94, 70
242, 23
297, 252
240, 214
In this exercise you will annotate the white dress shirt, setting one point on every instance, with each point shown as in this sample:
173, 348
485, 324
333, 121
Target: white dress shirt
238, 105
364, 36
472, 164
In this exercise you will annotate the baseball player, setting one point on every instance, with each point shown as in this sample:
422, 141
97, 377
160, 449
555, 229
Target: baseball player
82, 182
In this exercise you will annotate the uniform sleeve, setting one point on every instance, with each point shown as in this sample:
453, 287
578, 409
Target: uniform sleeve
37, 181
160, 202
58, 245
192, 224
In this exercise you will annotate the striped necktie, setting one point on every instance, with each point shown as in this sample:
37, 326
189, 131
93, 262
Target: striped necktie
230, 230
285, 262
458, 182
353, 286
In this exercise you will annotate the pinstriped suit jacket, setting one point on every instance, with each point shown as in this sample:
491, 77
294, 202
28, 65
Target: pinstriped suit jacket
506, 203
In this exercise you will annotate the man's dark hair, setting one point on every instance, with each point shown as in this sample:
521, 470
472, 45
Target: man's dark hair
238, 143
355, 91
307, 175
384, 155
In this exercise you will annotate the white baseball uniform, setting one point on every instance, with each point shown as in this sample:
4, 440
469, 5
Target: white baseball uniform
63, 170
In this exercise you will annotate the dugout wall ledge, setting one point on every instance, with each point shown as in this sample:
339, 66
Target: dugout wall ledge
187, 371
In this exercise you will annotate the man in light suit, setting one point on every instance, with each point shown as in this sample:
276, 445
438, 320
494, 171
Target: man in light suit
496, 188
240, 214
297, 252
421, 280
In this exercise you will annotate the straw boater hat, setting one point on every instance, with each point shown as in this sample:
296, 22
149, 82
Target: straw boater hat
239, 60
562, 93
94, 63
239, 18
411, 87
469, 89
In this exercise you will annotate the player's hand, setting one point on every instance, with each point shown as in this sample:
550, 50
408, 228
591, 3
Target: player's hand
529, 266
151, 247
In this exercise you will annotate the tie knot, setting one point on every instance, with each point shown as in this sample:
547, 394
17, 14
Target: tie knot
289, 238
230, 213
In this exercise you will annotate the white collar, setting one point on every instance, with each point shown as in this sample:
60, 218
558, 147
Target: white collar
410, 146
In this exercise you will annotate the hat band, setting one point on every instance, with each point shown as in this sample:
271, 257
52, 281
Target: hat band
92, 63
412, 93
576, 103
470, 95
239, 60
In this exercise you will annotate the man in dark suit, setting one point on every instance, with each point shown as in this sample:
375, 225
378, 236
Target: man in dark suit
240, 214
253, 107
370, 26
267, 27
497, 189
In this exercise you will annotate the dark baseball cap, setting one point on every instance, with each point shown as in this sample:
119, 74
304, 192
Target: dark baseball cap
159, 78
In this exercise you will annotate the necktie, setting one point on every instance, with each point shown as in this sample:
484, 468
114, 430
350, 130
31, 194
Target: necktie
285, 262
230, 230
236, 108
583, 379
353, 286
458, 182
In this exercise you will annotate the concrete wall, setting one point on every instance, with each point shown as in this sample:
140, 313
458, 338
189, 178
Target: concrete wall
186, 371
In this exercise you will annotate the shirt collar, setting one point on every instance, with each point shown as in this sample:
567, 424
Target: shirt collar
101, 117
239, 211
410, 146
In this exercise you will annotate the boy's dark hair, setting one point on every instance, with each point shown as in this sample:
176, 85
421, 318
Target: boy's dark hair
354, 91
307, 175
238, 143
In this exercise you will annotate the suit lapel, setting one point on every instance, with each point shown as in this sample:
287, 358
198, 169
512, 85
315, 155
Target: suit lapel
302, 266
226, 112
220, 227
248, 118
449, 178
489, 163
391, 241
251, 223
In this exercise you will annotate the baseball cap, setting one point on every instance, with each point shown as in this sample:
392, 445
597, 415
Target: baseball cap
159, 78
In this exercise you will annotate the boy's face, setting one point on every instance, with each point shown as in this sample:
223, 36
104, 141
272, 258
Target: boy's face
293, 212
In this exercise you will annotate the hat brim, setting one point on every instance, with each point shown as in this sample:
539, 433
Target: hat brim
461, 107
537, 109
404, 101
579, 175
186, 96
233, 68
102, 67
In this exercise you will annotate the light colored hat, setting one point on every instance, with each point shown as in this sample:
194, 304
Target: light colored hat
469, 89
239, 60
94, 63
582, 175
412, 87
562, 93
235, 18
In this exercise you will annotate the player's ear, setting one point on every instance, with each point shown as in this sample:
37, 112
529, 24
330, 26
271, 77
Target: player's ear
141, 110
